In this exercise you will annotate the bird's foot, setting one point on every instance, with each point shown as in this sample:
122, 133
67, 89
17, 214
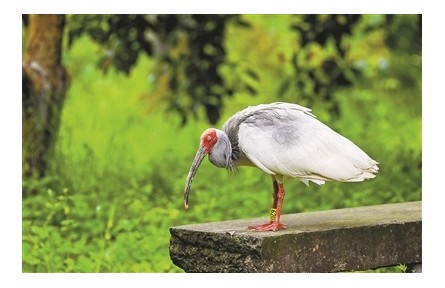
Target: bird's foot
270, 226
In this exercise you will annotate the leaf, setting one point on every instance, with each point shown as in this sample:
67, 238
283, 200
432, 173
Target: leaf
251, 90
284, 87
253, 74
242, 23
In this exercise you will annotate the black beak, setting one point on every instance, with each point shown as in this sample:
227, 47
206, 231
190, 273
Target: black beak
200, 154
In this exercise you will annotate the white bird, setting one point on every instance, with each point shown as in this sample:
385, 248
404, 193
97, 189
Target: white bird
282, 139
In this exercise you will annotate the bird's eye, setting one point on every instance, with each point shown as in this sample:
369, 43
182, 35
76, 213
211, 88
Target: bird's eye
209, 138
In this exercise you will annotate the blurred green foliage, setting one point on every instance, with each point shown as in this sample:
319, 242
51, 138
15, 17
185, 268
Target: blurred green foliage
188, 49
116, 180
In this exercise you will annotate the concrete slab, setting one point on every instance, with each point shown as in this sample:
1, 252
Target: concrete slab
325, 241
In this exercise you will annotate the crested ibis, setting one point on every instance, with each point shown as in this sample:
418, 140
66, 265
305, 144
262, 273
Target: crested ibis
283, 140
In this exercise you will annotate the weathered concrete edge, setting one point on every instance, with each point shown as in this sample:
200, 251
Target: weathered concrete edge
243, 251
346, 249
190, 249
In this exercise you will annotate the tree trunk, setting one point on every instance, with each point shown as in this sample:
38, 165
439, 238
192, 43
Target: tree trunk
44, 82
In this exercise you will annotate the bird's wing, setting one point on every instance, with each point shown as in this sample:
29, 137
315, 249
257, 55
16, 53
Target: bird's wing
287, 140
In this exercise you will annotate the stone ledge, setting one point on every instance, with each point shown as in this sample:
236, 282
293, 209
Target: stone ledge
326, 241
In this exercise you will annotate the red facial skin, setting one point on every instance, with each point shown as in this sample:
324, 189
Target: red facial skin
208, 139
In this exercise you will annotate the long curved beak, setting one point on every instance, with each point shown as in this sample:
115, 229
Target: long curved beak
200, 154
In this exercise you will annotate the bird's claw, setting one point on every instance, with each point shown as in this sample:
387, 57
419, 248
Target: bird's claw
270, 226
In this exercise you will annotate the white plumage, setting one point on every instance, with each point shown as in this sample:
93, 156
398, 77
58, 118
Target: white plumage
282, 139
293, 143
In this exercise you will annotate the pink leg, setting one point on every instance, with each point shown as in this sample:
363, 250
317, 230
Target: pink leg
274, 224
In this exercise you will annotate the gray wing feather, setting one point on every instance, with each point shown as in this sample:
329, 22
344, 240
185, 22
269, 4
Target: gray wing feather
264, 112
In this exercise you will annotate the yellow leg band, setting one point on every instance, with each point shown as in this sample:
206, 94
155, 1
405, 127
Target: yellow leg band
273, 214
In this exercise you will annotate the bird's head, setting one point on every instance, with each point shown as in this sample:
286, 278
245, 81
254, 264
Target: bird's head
208, 139
216, 144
